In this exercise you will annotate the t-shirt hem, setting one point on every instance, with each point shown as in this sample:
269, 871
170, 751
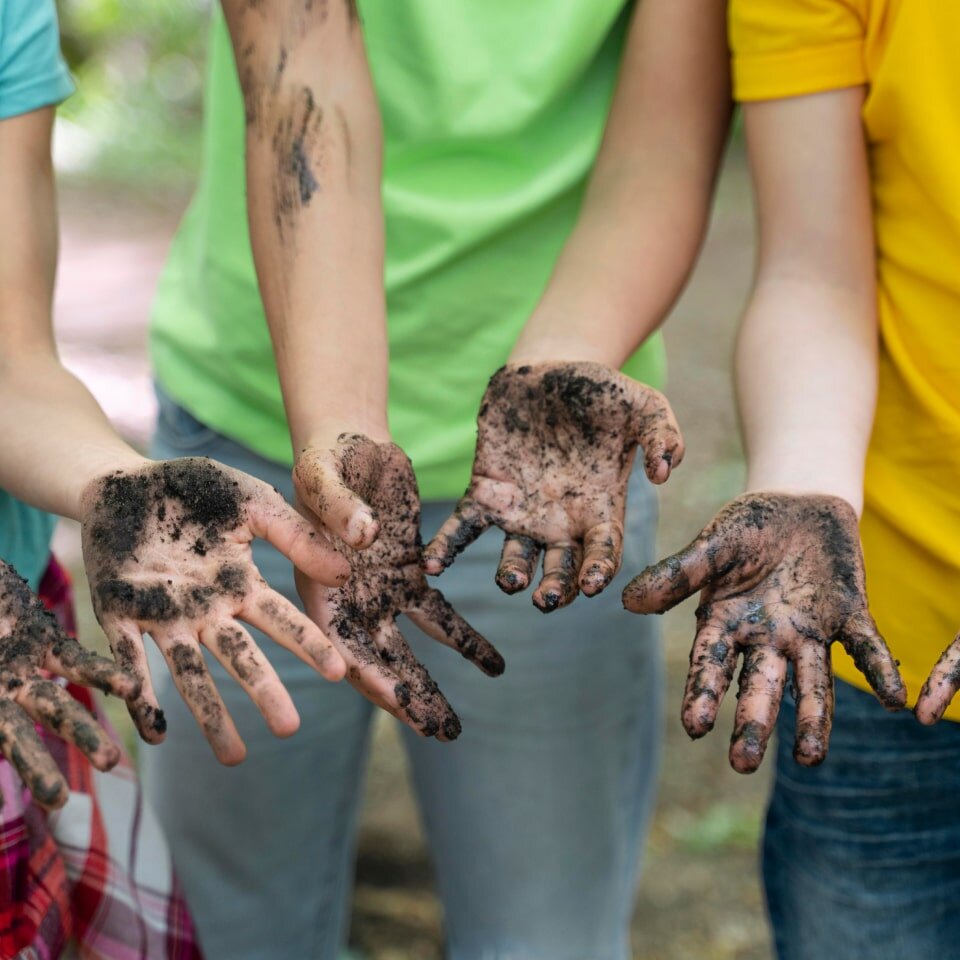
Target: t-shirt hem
795, 73
47, 91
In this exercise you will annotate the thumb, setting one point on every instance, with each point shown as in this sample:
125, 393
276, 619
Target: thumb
658, 433
318, 478
665, 584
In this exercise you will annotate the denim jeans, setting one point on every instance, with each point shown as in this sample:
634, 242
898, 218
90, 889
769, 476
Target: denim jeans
535, 817
861, 856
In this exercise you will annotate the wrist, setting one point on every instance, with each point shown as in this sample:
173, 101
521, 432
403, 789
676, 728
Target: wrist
564, 346
760, 482
324, 433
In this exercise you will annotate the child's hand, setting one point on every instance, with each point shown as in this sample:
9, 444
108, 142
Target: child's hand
31, 641
367, 493
941, 686
167, 550
555, 448
782, 578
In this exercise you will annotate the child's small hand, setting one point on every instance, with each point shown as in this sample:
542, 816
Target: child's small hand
555, 448
167, 548
31, 642
782, 578
367, 493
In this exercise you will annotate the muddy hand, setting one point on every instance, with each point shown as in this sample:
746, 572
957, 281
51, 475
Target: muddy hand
941, 686
167, 549
367, 494
31, 641
782, 578
555, 447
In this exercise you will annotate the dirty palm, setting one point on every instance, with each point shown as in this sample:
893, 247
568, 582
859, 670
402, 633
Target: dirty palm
780, 578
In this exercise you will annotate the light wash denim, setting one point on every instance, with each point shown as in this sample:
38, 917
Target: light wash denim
861, 856
535, 817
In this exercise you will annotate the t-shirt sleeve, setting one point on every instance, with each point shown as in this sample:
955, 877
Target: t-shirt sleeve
789, 48
33, 73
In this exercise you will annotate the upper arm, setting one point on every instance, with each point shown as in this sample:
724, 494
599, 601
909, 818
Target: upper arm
811, 179
673, 93
799, 68
28, 231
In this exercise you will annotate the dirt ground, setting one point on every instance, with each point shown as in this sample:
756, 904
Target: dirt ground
699, 897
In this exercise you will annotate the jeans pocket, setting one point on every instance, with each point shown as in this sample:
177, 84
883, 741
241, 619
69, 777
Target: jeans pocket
180, 429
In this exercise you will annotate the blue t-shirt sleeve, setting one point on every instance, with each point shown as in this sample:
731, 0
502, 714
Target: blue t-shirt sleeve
33, 73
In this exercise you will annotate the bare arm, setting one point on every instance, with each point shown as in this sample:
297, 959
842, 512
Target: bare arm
314, 148
780, 569
559, 426
646, 209
807, 353
166, 545
48, 415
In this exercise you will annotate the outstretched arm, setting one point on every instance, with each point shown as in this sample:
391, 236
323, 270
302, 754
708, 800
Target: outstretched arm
161, 555
316, 222
559, 426
780, 568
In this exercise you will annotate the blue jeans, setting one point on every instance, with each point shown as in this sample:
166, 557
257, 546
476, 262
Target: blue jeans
861, 856
535, 817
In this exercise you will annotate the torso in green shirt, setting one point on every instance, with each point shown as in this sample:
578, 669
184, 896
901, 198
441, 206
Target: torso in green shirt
493, 112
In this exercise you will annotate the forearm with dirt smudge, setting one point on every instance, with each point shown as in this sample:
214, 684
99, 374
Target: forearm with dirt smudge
314, 155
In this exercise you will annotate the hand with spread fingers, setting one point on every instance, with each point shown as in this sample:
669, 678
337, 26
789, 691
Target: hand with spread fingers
940, 687
32, 642
556, 444
782, 578
167, 547
366, 494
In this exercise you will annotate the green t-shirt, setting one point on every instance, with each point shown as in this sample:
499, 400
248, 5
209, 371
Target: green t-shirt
493, 113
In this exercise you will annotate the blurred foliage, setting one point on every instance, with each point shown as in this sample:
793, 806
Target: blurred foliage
723, 826
139, 66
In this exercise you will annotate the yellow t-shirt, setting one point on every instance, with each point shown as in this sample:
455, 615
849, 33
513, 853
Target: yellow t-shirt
905, 51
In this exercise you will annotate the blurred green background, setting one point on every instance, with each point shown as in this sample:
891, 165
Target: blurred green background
139, 68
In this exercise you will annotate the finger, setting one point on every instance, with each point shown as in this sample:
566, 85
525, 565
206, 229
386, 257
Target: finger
245, 662
465, 524
941, 686
23, 748
602, 553
321, 486
68, 658
558, 588
371, 675
437, 619
49, 704
274, 520
421, 699
861, 639
712, 662
665, 584
814, 680
273, 614
762, 678
658, 434
126, 642
192, 678
518, 561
